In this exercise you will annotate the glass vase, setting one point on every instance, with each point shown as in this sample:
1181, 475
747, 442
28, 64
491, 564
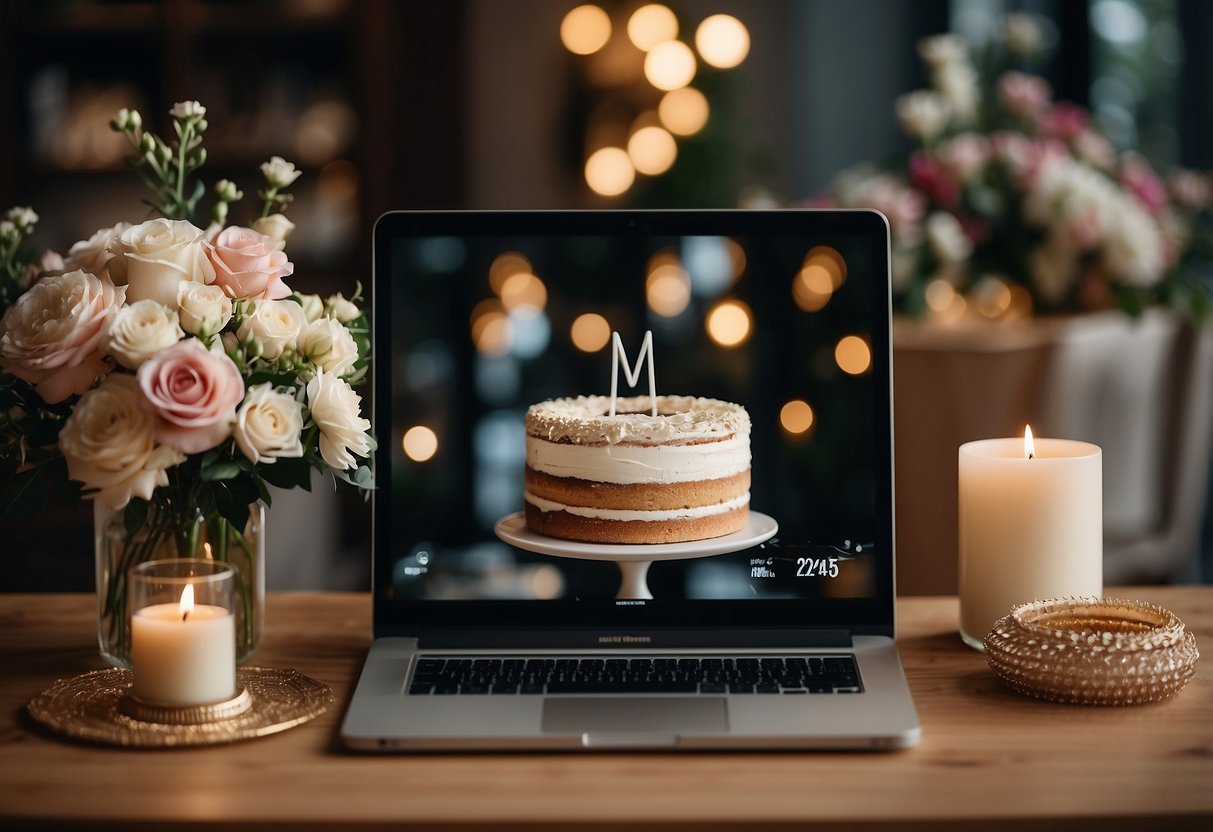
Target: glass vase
151, 531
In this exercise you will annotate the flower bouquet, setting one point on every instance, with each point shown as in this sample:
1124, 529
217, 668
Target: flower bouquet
1013, 203
170, 374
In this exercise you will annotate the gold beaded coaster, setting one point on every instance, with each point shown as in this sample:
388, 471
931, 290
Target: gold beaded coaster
97, 707
1088, 651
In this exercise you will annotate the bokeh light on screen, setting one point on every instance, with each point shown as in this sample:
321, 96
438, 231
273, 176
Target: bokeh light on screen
609, 171
590, 332
652, 150
530, 330
683, 111
667, 289
730, 323
652, 25
585, 30
829, 259
492, 332
723, 41
420, 443
523, 289
853, 355
796, 416
505, 265
812, 288
670, 65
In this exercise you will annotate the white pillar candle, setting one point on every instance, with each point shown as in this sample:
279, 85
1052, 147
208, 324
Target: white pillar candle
1030, 526
183, 656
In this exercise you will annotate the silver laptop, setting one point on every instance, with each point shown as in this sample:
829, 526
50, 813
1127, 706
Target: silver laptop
487, 636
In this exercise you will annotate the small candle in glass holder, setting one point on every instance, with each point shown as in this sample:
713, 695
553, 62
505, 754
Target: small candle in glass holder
1030, 526
183, 632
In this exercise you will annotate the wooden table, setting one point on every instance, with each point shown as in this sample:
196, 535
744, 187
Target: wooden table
987, 755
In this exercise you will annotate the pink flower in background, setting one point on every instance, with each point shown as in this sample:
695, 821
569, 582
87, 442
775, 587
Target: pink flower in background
1064, 121
249, 264
963, 156
928, 176
49, 262
1083, 231
1094, 148
1140, 179
1025, 96
194, 392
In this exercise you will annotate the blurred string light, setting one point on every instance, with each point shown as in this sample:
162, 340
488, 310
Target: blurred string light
667, 287
730, 323
669, 65
590, 332
420, 443
796, 416
853, 355
506, 265
492, 331
821, 275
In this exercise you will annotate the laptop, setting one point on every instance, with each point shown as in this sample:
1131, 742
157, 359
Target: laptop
490, 637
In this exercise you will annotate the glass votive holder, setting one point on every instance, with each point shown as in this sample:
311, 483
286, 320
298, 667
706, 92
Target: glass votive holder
183, 633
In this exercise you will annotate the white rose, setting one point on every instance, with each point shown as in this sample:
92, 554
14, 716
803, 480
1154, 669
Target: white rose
187, 109
275, 324
947, 239
109, 444
22, 216
923, 114
1021, 33
342, 309
93, 255
139, 331
328, 345
204, 310
957, 82
275, 226
279, 172
1133, 250
336, 410
938, 50
155, 258
313, 307
269, 425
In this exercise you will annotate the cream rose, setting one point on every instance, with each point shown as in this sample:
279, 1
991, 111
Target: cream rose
342, 309
329, 345
248, 264
279, 172
109, 444
52, 335
155, 258
313, 306
336, 410
922, 114
269, 425
139, 331
275, 324
204, 310
193, 392
275, 226
93, 255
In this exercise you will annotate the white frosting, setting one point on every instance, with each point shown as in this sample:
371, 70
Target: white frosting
679, 419
635, 464
631, 514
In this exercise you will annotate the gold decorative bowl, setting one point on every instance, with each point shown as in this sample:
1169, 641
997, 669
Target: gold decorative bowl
1089, 651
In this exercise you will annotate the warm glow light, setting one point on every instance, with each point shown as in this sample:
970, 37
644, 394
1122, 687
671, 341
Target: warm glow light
652, 150
492, 332
523, 289
992, 297
830, 260
812, 288
939, 295
1029, 444
729, 323
853, 355
668, 290
420, 443
670, 65
590, 332
650, 25
585, 30
505, 266
723, 41
609, 171
1021, 303
684, 111
796, 416
736, 259
186, 605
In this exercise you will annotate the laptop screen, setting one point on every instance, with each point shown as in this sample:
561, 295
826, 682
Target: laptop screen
479, 316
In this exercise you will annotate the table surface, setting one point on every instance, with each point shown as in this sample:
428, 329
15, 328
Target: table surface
987, 754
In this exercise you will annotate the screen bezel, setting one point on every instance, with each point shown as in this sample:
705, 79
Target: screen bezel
871, 615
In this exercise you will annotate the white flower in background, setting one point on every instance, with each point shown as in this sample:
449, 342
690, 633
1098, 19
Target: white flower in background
279, 172
140, 330
939, 50
275, 226
341, 309
336, 408
956, 81
187, 110
93, 255
269, 425
963, 156
203, 310
48, 262
1133, 250
313, 307
1054, 269
156, 257
22, 217
109, 443
1093, 148
947, 239
329, 345
923, 114
902, 206
1191, 190
7, 229
274, 324
1021, 33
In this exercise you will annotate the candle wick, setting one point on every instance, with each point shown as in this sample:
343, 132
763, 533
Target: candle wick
185, 615
1031, 456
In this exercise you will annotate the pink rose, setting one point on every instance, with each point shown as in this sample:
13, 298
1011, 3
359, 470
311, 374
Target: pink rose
194, 392
52, 335
1143, 183
928, 176
1023, 95
1064, 121
964, 156
249, 264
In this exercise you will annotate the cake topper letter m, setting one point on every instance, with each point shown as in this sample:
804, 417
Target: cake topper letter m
630, 373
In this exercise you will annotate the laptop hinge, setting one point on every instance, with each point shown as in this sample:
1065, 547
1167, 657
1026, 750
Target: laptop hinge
747, 638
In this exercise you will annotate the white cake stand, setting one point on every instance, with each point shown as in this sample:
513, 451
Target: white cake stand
633, 559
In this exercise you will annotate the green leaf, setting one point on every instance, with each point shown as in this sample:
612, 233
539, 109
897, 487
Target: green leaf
287, 473
221, 471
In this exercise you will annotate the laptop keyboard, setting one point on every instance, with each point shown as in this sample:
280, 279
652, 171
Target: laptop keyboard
539, 675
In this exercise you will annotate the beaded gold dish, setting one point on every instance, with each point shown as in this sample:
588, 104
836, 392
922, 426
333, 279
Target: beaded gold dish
97, 707
1088, 651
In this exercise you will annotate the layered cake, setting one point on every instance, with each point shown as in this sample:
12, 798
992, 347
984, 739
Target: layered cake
683, 474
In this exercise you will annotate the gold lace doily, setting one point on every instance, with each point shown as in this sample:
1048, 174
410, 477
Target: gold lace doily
1089, 651
90, 707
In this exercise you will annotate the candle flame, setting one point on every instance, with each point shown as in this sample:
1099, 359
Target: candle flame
187, 601
1029, 445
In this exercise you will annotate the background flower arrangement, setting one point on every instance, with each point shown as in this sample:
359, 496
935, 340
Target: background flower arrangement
168, 370
1013, 203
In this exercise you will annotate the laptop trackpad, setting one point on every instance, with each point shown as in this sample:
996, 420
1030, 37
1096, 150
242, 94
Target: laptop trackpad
635, 714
